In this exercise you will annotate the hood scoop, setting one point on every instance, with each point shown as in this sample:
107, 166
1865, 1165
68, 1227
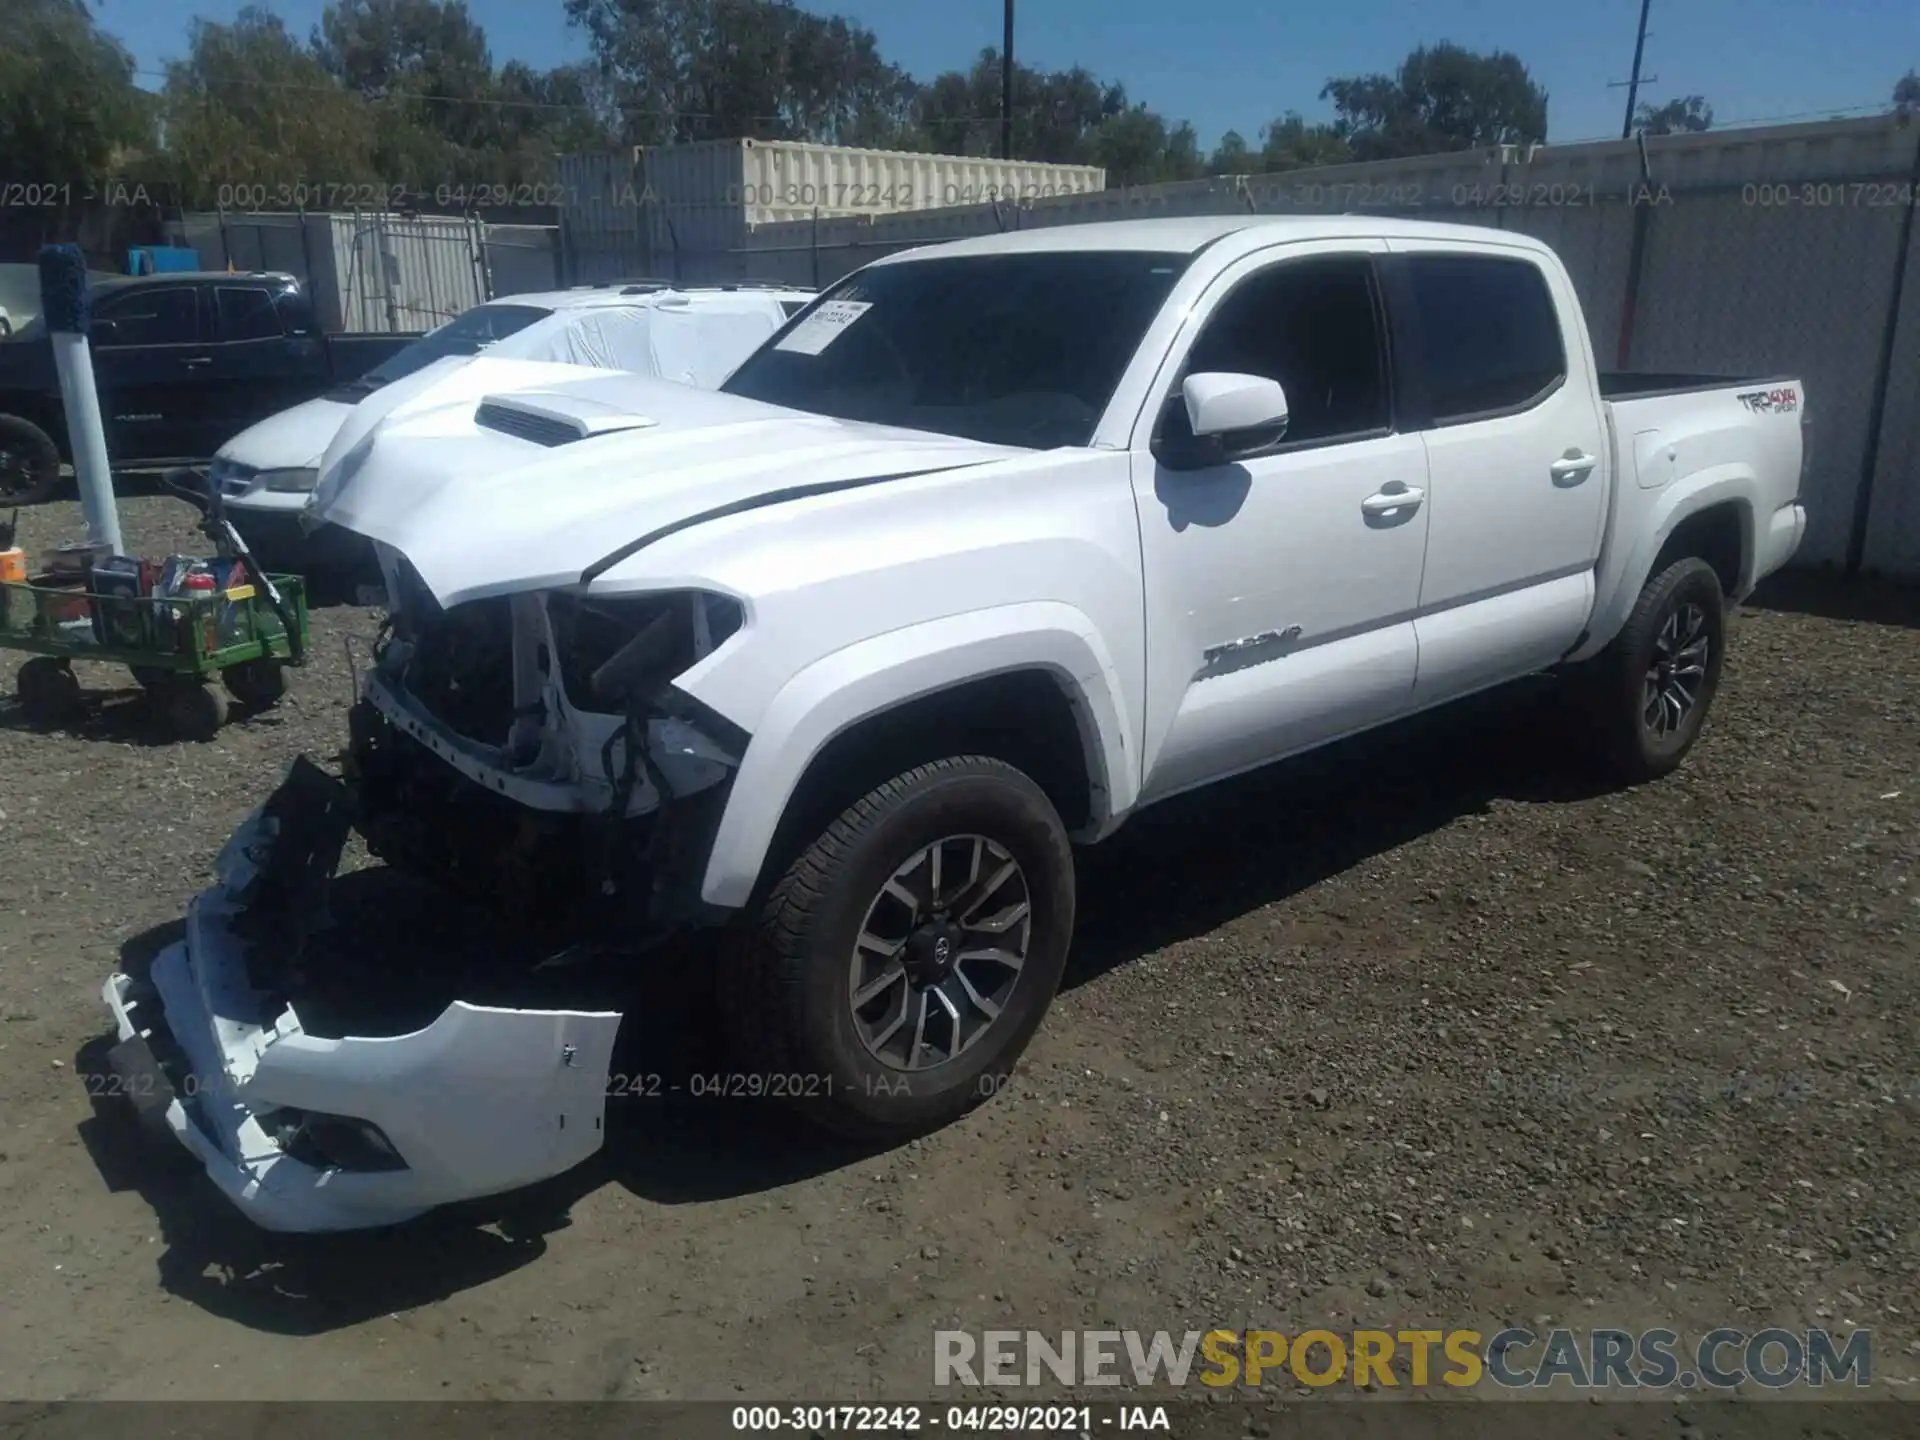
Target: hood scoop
545, 419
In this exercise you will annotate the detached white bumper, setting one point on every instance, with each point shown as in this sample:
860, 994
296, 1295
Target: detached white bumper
481, 1101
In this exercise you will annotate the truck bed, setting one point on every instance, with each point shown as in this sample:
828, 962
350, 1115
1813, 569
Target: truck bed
1645, 384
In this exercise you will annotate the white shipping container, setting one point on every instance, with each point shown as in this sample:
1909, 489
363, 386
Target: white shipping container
765, 182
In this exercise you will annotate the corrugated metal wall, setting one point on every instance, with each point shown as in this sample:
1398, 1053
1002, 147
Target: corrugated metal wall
1764, 252
1892, 541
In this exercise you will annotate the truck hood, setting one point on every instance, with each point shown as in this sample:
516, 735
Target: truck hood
480, 510
294, 439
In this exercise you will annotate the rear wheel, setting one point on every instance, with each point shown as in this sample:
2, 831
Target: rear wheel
1647, 694
901, 964
29, 463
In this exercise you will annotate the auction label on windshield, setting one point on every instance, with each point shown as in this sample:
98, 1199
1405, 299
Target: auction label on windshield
823, 326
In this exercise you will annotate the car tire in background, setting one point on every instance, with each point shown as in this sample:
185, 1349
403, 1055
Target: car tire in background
897, 969
1646, 696
29, 463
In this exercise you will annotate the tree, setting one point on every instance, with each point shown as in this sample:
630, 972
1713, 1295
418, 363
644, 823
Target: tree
1055, 115
1290, 143
1688, 115
251, 105
1906, 90
1231, 156
69, 110
685, 70
1443, 97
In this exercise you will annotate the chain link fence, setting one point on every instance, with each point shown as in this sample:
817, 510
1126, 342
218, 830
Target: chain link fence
377, 272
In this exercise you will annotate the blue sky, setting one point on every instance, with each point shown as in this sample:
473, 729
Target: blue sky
1238, 63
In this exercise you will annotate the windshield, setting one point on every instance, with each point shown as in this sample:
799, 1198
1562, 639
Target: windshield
1010, 349
466, 334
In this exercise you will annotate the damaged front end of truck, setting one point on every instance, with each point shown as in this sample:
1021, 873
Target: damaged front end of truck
528, 742
528, 756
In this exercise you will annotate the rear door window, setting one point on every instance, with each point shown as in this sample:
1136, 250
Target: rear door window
1489, 336
245, 313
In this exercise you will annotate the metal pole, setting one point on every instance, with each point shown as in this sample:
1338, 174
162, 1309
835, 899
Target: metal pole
1642, 205
1633, 85
63, 305
1006, 89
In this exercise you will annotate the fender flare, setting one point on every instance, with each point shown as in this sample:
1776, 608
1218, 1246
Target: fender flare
854, 684
1620, 585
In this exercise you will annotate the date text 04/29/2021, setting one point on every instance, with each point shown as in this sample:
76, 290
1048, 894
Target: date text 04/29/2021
891, 1420
761, 1085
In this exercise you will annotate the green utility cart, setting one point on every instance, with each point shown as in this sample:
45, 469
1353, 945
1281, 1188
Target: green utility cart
245, 626
174, 645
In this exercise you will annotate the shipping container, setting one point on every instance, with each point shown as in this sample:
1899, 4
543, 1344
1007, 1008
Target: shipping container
674, 209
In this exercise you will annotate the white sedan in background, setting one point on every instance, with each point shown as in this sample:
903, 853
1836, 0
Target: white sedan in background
696, 336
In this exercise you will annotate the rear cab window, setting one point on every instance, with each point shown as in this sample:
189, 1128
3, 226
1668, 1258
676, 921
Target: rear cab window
1488, 339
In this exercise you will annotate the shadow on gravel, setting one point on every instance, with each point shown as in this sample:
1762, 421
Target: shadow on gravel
124, 716
1832, 596
1193, 863
664, 1145
1178, 871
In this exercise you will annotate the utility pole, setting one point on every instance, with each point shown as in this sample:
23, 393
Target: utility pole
1633, 85
1006, 89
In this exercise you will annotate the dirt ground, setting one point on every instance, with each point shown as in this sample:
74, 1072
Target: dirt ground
1425, 1031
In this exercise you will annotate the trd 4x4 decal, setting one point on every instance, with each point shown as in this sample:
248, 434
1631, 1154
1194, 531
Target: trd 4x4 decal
1771, 402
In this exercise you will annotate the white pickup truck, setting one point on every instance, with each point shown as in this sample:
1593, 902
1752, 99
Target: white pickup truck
994, 544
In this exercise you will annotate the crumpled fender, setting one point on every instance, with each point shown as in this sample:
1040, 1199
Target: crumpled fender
866, 679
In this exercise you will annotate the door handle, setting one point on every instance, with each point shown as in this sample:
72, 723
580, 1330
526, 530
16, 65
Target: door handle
193, 360
1573, 467
1393, 497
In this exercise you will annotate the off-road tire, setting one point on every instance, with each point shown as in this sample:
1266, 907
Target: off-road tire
1609, 692
784, 981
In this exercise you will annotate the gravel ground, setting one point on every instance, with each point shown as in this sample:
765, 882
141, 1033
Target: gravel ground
1426, 1031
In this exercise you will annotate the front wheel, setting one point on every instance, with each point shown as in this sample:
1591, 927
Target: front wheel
900, 966
1647, 694
256, 684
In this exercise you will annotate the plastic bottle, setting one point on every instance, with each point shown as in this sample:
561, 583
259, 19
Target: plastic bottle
197, 585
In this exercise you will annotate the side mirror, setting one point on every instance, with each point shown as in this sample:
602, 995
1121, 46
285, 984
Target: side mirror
1244, 411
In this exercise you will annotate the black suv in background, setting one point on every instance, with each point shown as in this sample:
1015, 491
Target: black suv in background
182, 363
